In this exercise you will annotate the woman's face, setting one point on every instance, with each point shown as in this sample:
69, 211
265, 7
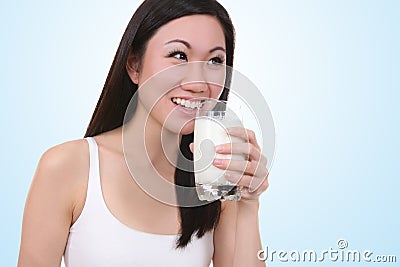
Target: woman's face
167, 84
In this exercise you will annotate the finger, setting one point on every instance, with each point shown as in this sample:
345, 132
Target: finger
263, 160
250, 151
191, 147
259, 184
238, 178
245, 134
253, 168
247, 193
254, 184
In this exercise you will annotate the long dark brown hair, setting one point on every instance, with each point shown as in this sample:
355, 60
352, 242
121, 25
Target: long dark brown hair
119, 89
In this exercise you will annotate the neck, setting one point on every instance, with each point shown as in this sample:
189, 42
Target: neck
150, 144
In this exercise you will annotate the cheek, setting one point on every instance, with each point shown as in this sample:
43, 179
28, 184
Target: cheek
153, 92
215, 91
152, 64
158, 109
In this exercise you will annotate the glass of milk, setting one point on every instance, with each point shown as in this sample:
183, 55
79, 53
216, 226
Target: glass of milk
213, 118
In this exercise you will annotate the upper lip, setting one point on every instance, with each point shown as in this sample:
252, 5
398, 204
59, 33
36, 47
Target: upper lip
189, 97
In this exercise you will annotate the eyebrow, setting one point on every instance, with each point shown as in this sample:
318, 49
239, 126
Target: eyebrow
220, 48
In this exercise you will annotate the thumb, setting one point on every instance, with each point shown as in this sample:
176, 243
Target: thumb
191, 146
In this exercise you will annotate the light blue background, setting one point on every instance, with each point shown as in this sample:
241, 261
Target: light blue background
328, 69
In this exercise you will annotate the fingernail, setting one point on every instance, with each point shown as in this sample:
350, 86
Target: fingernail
231, 130
218, 162
219, 148
229, 176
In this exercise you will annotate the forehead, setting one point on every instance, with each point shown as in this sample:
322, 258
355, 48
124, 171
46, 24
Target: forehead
198, 30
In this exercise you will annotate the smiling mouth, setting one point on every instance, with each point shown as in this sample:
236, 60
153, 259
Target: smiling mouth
195, 104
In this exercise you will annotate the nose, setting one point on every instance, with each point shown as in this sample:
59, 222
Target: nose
195, 78
195, 87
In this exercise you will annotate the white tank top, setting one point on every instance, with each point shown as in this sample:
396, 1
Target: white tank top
99, 239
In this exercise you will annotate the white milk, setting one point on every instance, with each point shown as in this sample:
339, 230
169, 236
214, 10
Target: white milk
208, 133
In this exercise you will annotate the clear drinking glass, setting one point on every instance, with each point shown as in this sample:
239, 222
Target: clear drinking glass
213, 118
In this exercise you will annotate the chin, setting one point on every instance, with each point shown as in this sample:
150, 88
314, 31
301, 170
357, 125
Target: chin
185, 131
179, 127
187, 128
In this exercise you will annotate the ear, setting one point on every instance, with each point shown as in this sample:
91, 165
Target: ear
132, 67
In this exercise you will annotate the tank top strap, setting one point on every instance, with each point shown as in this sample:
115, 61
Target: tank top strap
94, 191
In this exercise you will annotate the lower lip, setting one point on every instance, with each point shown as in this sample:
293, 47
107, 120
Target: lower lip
184, 110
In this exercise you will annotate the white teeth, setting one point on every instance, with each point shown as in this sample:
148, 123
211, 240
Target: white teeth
186, 103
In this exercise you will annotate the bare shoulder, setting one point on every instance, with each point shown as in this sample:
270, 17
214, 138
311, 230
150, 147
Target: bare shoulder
54, 200
64, 169
66, 157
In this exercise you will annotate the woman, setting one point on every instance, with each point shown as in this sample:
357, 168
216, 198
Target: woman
111, 221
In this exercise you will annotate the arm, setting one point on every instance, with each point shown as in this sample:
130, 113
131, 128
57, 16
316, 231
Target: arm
248, 241
50, 207
237, 236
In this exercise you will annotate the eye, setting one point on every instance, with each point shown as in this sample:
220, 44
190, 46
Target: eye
180, 55
216, 60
